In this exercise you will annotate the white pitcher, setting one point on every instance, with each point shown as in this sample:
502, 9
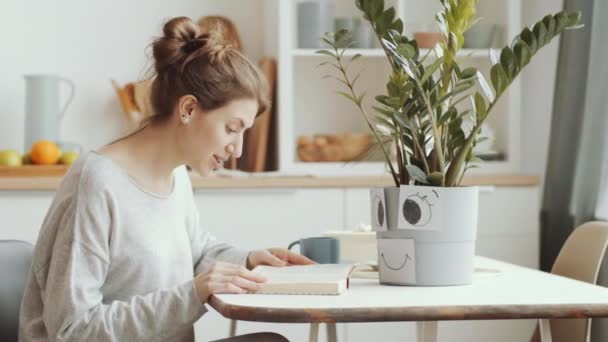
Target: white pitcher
43, 108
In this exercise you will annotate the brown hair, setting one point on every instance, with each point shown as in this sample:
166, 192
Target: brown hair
223, 26
188, 61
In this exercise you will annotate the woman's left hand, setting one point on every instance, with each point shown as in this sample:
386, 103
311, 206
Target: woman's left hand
276, 257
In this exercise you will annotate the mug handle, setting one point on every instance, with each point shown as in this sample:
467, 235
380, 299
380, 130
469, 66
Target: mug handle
297, 242
70, 98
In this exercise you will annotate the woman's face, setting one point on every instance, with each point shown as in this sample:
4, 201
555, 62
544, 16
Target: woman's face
211, 137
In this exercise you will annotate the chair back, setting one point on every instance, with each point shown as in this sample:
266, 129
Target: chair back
580, 258
15, 261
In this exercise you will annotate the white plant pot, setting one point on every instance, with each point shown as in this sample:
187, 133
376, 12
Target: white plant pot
428, 236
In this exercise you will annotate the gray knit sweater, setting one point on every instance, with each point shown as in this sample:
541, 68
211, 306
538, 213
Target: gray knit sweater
114, 262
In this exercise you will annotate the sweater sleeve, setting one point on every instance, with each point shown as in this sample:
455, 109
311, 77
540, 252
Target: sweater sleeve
74, 306
206, 249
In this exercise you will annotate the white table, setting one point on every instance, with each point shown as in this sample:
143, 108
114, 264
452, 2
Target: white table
499, 291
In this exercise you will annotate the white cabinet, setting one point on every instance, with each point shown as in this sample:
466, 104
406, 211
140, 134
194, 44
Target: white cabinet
308, 104
22, 214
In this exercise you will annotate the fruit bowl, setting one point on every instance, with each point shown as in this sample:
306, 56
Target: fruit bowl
333, 147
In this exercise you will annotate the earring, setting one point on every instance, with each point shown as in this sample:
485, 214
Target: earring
185, 118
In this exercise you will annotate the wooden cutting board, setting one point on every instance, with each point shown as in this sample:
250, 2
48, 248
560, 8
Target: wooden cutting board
256, 146
34, 171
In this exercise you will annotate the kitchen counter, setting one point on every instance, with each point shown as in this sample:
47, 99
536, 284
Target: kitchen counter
34, 183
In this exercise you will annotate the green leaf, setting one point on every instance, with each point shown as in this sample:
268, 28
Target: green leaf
406, 50
393, 89
348, 96
500, 80
481, 139
398, 26
385, 21
382, 99
388, 16
561, 21
361, 97
431, 69
416, 173
435, 178
530, 39
574, 18
343, 38
468, 73
398, 116
507, 60
457, 138
386, 122
462, 87
480, 107
549, 22
386, 112
540, 31
326, 53
522, 53
446, 116
375, 9
355, 57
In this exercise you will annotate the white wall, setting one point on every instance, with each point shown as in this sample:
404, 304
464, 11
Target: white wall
90, 42
93, 41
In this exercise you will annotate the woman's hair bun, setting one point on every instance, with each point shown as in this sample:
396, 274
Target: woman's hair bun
183, 41
201, 61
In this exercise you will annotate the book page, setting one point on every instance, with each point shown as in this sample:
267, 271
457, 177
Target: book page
321, 279
308, 273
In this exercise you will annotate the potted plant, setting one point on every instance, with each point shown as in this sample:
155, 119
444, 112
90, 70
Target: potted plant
426, 224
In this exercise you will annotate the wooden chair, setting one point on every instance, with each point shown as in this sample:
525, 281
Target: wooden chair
580, 258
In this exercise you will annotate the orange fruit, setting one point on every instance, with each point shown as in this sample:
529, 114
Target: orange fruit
45, 152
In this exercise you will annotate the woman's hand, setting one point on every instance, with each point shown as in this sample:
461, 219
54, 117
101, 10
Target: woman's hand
276, 257
223, 277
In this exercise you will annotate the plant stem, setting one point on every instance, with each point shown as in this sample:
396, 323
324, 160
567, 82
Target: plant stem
436, 135
456, 166
367, 120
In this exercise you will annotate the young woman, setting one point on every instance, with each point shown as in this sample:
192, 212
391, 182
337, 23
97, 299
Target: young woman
121, 255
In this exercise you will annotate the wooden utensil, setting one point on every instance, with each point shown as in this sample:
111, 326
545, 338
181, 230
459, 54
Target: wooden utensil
256, 146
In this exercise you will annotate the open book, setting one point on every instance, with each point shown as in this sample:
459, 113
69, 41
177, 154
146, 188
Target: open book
318, 279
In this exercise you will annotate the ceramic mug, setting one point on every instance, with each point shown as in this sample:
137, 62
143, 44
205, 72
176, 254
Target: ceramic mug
324, 250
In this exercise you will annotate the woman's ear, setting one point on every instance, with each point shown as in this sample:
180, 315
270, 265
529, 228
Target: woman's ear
185, 107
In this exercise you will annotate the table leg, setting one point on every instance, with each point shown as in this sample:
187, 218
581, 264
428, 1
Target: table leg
332, 335
232, 331
545, 330
313, 335
426, 331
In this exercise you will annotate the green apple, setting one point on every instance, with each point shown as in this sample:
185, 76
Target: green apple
10, 158
68, 158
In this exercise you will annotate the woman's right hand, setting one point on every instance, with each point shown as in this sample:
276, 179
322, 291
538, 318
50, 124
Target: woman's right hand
224, 277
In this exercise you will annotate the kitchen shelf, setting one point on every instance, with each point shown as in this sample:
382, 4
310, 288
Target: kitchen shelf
307, 104
475, 53
33, 171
